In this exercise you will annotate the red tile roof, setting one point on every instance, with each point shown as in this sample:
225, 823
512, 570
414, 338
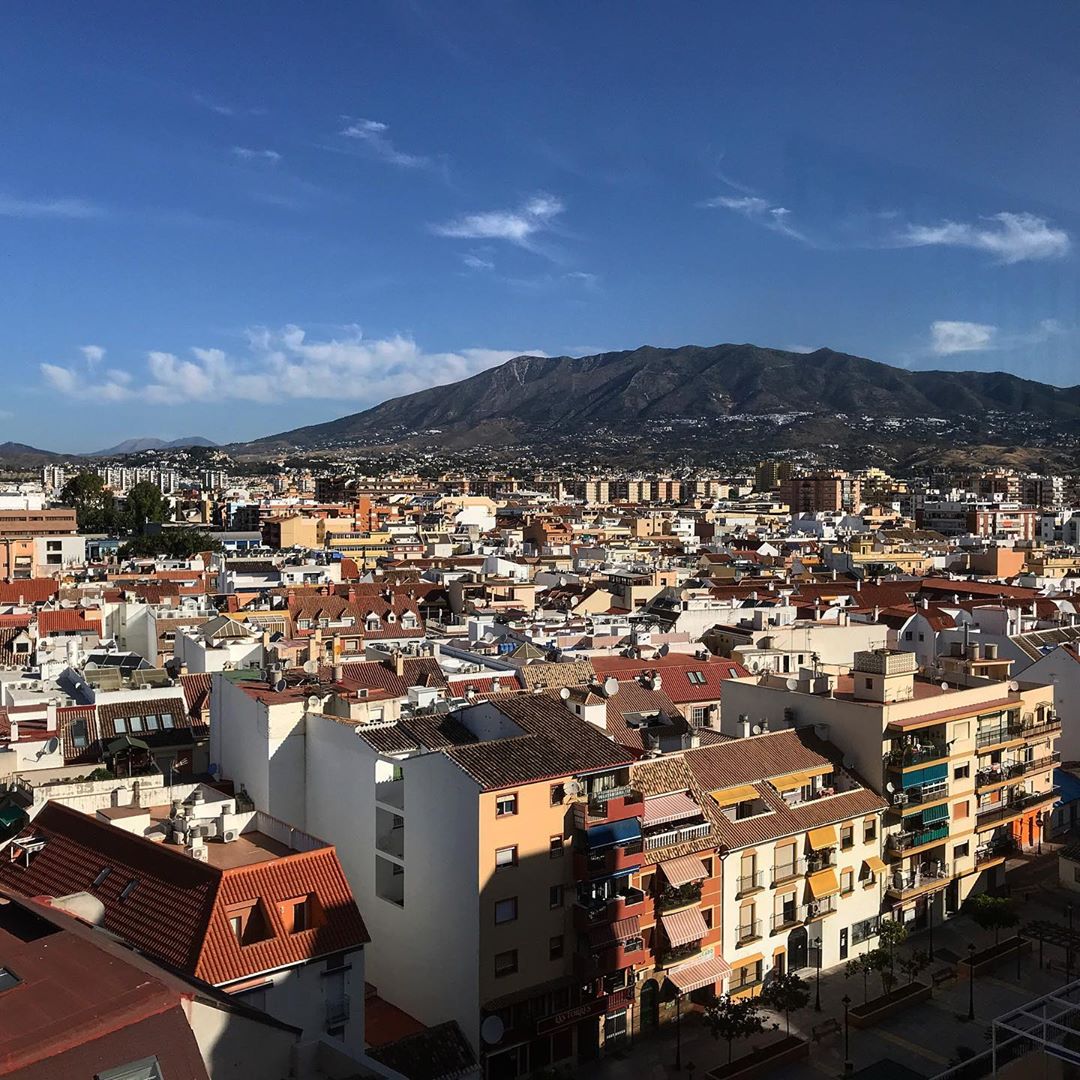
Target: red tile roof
30, 591
69, 621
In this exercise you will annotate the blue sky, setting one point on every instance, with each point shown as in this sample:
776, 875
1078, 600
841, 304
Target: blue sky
230, 220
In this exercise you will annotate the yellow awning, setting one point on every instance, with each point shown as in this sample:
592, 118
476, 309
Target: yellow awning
819, 770
823, 884
876, 864
790, 782
730, 796
823, 837
749, 960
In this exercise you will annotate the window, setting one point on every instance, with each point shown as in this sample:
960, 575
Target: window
707, 863
698, 715
555, 947
847, 881
961, 772
961, 730
869, 834
555, 847
505, 857
555, 897
921, 637
907, 635
557, 794
847, 836
166, 721
506, 910
8, 979
869, 684
961, 809
864, 930
120, 724
135, 723
296, 915
706, 916
961, 850
506, 963
506, 805
78, 735
143, 1069
152, 722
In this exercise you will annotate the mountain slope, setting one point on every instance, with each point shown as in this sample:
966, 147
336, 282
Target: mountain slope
136, 446
529, 396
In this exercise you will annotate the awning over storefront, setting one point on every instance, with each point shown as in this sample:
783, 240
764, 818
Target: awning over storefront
603, 937
694, 976
673, 807
683, 927
684, 870
614, 832
823, 884
823, 837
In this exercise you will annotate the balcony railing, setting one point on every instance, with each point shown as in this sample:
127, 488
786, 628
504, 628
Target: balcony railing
683, 952
903, 757
748, 932
678, 835
913, 880
914, 838
819, 860
683, 896
750, 882
995, 812
1001, 734
933, 789
605, 909
817, 909
1046, 727
995, 849
782, 920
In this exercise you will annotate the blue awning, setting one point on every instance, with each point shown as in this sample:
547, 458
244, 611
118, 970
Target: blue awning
614, 832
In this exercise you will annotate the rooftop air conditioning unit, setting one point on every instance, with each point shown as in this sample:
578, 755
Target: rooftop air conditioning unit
229, 835
900, 798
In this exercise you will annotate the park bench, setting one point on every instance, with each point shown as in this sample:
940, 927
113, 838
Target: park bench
826, 1027
943, 975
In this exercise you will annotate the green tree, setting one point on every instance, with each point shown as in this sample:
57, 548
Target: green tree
733, 1018
172, 543
861, 965
891, 935
881, 961
93, 503
991, 913
913, 964
145, 503
786, 993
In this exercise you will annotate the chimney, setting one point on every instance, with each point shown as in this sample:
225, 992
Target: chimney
399, 663
351, 595
744, 726
339, 672
924, 603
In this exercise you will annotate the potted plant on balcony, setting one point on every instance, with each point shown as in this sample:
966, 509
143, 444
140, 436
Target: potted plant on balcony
786, 993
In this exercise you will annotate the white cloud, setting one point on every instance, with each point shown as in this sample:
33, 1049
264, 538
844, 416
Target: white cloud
477, 262
246, 153
48, 208
515, 226
372, 134
948, 337
92, 354
1010, 238
753, 207
280, 365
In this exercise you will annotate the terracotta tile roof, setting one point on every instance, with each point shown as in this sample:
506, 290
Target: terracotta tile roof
542, 675
385, 1023
659, 776
981, 589
482, 684
635, 698
68, 621
197, 686
184, 726
66, 719
8, 656
176, 913
30, 591
376, 675
675, 674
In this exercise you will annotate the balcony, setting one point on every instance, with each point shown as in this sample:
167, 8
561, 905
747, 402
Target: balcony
748, 883
999, 774
923, 793
912, 881
787, 871
748, 932
787, 919
994, 851
907, 757
614, 804
589, 913
996, 736
607, 860
337, 1011
673, 898
996, 813
818, 860
1050, 726
818, 909
624, 954
678, 834
917, 838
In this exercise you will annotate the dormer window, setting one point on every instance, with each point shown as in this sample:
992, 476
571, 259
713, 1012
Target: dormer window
391, 618
248, 922
304, 624
372, 623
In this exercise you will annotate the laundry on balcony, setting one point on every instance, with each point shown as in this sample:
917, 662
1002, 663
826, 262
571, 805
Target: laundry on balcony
684, 870
699, 973
674, 807
683, 927
614, 832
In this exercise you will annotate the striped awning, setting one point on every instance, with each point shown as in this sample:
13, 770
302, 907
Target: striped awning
823, 837
673, 807
699, 973
683, 870
823, 884
603, 937
682, 927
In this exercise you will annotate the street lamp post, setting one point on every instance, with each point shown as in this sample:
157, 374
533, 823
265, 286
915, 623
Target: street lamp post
1019, 951
678, 1031
930, 925
971, 982
847, 1036
1068, 915
817, 964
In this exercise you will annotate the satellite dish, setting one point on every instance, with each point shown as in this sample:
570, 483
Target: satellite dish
492, 1030
564, 693
52, 746
944, 685
756, 729
90, 666
611, 686
311, 667
1014, 686
890, 787
573, 787
280, 685
314, 701
792, 684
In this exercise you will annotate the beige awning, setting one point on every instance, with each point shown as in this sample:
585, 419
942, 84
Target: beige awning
683, 927
823, 884
875, 864
699, 973
683, 870
790, 782
674, 807
730, 796
823, 837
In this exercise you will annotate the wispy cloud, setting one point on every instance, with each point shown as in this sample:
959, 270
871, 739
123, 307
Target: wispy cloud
48, 208
223, 109
92, 354
477, 262
1009, 237
247, 153
517, 226
949, 337
761, 211
279, 365
372, 134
